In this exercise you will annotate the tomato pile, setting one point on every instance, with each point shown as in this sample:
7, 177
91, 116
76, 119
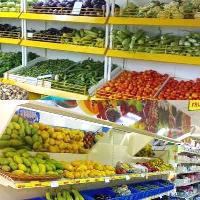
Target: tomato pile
181, 90
145, 85
132, 84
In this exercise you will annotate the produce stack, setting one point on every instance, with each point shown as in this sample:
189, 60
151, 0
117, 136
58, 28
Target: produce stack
65, 7
21, 165
93, 37
141, 41
12, 92
11, 60
41, 137
67, 75
10, 5
168, 10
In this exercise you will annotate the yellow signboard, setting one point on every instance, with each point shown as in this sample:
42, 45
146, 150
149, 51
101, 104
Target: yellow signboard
194, 105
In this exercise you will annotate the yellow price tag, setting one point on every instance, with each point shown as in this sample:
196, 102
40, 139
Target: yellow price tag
194, 105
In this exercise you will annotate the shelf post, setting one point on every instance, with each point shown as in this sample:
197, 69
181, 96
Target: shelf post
24, 34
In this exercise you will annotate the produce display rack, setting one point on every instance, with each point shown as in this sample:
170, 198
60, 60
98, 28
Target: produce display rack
108, 19
62, 182
125, 129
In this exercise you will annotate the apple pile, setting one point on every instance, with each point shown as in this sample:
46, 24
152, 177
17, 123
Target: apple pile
181, 90
132, 85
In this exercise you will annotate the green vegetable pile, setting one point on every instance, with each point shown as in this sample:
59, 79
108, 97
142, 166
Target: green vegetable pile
86, 73
141, 41
177, 9
94, 37
10, 5
12, 60
64, 195
45, 68
21, 162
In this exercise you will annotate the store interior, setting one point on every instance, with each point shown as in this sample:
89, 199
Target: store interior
99, 149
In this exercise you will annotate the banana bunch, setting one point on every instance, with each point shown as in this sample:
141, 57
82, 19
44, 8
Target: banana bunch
65, 195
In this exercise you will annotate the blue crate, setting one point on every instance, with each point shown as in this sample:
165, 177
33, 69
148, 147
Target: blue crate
150, 192
136, 194
89, 194
167, 188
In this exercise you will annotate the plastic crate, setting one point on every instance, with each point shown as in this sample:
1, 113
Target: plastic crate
89, 194
166, 188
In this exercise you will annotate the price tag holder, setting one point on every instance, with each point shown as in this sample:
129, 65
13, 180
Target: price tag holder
127, 177
77, 8
54, 184
107, 179
29, 35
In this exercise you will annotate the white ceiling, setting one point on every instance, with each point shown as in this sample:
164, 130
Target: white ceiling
183, 105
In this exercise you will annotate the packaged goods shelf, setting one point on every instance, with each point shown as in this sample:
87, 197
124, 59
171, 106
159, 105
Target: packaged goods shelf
186, 184
64, 18
189, 197
158, 195
190, 172
61, 182
154, 22
168, 58
189, 152
64, 47
10, 14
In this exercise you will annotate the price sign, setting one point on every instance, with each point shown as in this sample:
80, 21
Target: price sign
127, 177
29, 35
107, 180
54, 184
77, 8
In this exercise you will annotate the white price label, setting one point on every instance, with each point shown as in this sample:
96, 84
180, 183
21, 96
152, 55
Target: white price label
29, 35
77, 8
54, 184
45, 76
107, 180
142, 175
127, 177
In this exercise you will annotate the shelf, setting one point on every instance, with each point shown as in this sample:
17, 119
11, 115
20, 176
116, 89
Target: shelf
169, 58
64, 47
61, 182
186, 184
154, 21
187, 172
126, 129
189, 197
159, 195
10, 41
182, 162
10, 14
64, 18
189, 152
